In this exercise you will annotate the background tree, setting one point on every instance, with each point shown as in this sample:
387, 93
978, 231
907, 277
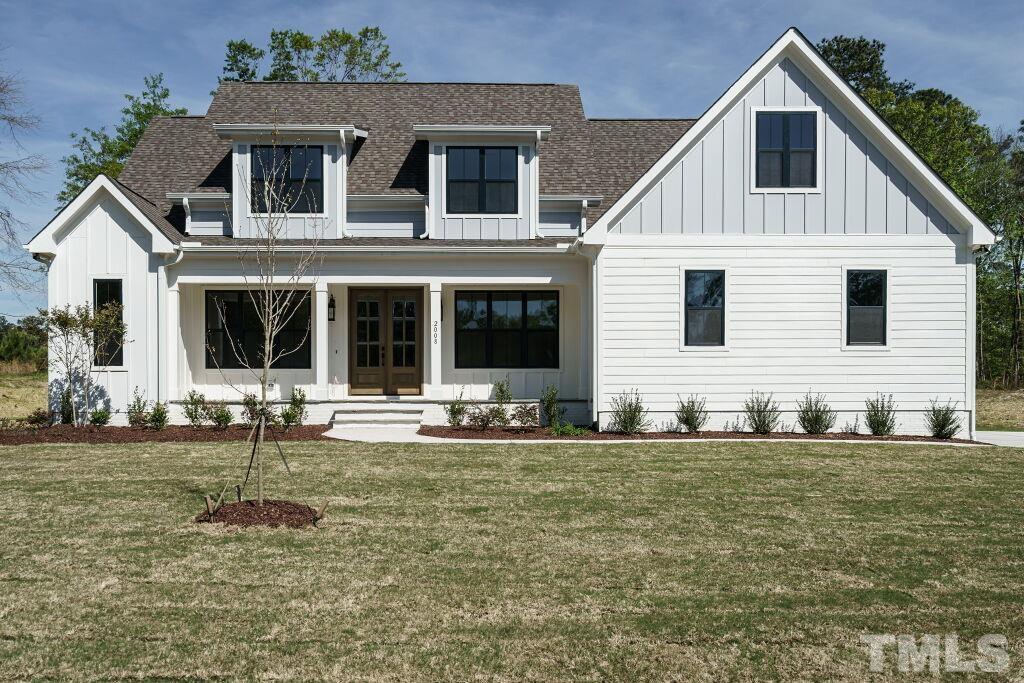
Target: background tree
337, 55
97, 151
17, 171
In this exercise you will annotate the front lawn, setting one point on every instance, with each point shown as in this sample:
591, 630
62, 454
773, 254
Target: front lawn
653, 561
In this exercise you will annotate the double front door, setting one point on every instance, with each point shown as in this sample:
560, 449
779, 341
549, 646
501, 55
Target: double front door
385, 353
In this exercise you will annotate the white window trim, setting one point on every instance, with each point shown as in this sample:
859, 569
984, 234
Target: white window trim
682, 309
819, 148
867, 348
520, 167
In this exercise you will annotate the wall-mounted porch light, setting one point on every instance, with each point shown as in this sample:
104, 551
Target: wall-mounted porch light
330, 309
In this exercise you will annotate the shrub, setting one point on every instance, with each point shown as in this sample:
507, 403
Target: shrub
525, 415
880, 415
40, 417
219, 414
550, 409
250, 409
297, 406
158, 416
67, 410
814, 414
691, 415
455, 411
99, 417
482, 417
942, 420
502, 397
628, 414
137, 415
194, 407
567, 429
762, 412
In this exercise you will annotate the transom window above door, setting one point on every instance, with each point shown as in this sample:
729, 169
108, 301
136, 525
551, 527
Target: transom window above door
786, 153
482, 180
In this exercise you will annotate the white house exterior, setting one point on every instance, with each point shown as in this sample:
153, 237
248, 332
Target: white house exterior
785, 241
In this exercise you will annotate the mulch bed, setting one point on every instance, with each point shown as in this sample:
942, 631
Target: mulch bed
534, 433
272, 513
89, 434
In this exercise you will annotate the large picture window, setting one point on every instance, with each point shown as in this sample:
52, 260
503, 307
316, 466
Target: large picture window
294, 172
787, 144
705, 308
506, 329
865, 307
109, 352
234, 332
482, 180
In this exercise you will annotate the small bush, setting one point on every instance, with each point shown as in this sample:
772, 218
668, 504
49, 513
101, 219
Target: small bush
942, 420
550, 409
525, 415
628, 414
158, 416
67, 410
250, 409
880, 415
137, 415
194, 407
100, 417
219, 414
691, 415
482, 417
814, 414
455, 411
762, 412
568, 429
297, 406
40, 417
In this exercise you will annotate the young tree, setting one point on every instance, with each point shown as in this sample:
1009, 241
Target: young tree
337, 55
279, 279
97, 151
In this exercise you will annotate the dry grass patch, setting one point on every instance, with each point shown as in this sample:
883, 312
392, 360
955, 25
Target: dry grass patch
451, 562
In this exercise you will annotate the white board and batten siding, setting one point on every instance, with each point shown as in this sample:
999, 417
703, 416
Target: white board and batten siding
105, 243
785, 256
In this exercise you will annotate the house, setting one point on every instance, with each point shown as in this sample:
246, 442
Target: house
786, 240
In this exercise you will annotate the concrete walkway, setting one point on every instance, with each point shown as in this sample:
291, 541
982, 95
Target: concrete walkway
410, 435
1014, 439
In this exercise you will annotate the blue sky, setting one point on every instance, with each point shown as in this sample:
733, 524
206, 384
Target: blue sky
631, 59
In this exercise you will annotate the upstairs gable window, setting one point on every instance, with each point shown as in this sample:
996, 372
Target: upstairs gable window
483, 180
294, 176
787, 149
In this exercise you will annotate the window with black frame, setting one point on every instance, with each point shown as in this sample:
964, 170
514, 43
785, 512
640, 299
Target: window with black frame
234, 332
108, 352
482, 180
506, 329
787, 149
705, 308
295, 174
865, 307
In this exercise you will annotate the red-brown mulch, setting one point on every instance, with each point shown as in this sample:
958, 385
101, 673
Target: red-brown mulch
272, 513
90, 434
534, 433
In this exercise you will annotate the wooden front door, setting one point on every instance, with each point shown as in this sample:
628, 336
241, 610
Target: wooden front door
385, 354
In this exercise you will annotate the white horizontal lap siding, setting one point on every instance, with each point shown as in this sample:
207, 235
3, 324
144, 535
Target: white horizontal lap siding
784, 330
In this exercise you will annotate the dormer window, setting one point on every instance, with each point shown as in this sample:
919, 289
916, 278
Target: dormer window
482, 180
297, 174
786, 150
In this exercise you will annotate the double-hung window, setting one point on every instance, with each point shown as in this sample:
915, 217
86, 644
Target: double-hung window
506, 329
287, 179
705, 308
234, 330
865, 307
787, 149
482, 180
109, 352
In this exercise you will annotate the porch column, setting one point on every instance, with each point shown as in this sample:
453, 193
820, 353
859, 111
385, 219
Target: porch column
173, 344
320, 342
434, 390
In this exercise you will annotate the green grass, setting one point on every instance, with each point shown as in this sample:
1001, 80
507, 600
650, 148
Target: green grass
653, 561
20, 394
